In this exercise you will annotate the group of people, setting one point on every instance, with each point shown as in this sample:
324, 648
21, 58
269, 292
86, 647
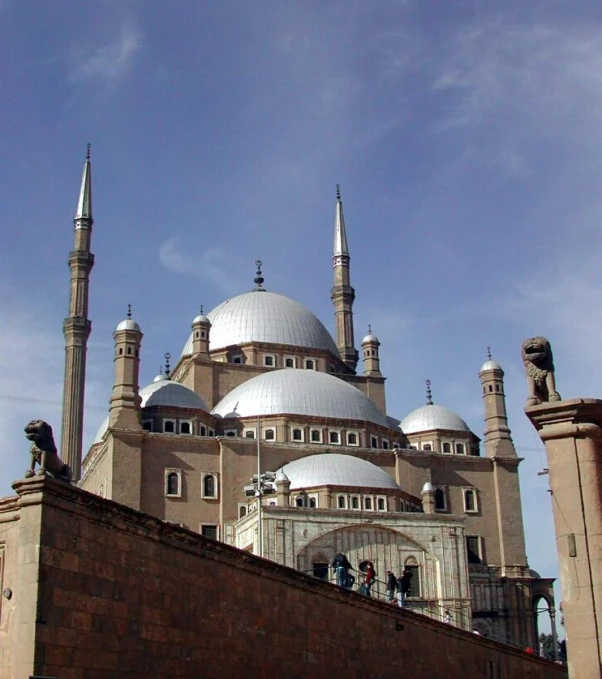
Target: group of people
397, 587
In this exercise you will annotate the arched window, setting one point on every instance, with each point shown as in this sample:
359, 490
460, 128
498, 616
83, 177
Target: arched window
242, 511
209, 486
381, 504
312, 502
497, 387
447, 447
203, 431
352, 439
309, 364
297, 435
249, 434
300, 501
169, 426
440, 504
414, 567
470, 500
289, 362
185, 428
355, 503
460, 449
374, 441
385, 444
147, 425
172, 484
368, 503
342, 502
316, 436
427, 446
490, 388
334, 437
269, 435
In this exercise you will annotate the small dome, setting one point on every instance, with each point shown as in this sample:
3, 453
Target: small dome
159, 378
333, 469
281, 477
428, 487
201, 318
292, 391
429, 417
128, 324
172, 394
370, 338
490, 365
261, 316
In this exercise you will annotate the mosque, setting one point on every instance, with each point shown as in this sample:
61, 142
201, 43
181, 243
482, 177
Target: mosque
265, 435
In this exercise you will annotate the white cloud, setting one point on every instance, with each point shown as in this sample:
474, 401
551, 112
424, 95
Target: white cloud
110, 61
212, 265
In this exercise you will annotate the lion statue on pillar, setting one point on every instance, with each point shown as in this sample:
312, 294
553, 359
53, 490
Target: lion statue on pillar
539, 369
44, 453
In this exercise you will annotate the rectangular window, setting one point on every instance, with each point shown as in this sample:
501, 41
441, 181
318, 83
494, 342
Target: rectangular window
209, 531
316, 436
290, 362
447, 448
185, 428
352, 439
269, 361
460, 449
169, 426
297, 435
473, 549
334, 437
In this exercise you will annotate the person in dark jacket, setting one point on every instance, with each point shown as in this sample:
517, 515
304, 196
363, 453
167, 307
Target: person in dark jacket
341, 566
370, 577
391, 587
403, 586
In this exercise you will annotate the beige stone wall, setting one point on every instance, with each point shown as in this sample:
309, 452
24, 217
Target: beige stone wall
9, 578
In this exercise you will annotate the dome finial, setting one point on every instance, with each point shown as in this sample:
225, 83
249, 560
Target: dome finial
429, 395
488, 353
258, 280
129, 311
338, 193
88, 152
369, 329
167, 356
201, 309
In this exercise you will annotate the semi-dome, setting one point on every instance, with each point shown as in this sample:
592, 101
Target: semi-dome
432, 416
164, 392
292, 391
332, 469
101, 430
261, 316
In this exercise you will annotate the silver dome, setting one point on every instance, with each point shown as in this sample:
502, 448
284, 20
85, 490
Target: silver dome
331, 469
293, 391
167, 393
429, 417
261, 316
490, 365
128, 324
370, 337
201, 318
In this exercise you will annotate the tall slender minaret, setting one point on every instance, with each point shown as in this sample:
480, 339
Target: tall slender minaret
77, 326
342, 294
498, 441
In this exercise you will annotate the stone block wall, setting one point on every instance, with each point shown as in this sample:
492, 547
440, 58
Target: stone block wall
121, 594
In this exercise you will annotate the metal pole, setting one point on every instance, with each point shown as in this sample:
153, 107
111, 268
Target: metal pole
258, 494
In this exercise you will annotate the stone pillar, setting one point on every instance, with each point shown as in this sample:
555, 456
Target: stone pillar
428, 498
572, 433
283, 492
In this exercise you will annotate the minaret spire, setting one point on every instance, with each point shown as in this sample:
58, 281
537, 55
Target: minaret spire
77, 326
342, 294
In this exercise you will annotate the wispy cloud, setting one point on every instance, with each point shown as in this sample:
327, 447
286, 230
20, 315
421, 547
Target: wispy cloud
212, 265
110, 61
32, 383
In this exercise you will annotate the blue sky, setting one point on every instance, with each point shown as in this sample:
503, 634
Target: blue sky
465, 137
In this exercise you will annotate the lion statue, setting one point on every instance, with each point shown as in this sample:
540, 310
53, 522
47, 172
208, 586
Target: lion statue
43, 452
539, 369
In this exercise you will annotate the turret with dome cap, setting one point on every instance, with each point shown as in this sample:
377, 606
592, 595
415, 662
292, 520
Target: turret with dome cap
124, 412
201, 327
498, 441
370, 346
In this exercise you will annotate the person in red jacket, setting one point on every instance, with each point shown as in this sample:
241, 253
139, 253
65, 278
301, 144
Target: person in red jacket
370, 576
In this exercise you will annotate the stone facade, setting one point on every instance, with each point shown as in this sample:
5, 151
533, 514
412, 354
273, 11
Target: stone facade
175, 457
97, 590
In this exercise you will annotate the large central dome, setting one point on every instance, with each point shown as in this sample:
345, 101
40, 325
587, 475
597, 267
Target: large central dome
299, 392
261, 316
